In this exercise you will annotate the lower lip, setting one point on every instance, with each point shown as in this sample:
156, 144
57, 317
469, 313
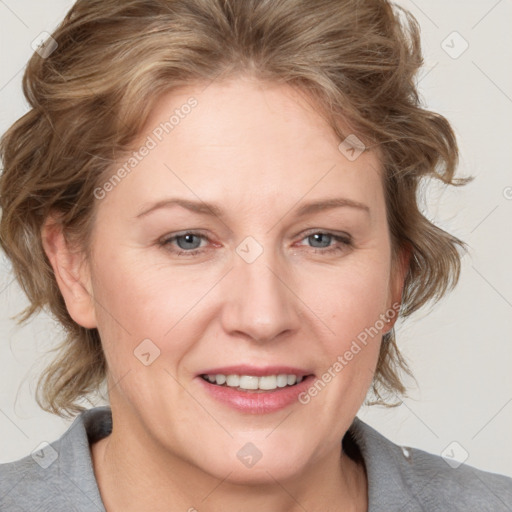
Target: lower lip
260, 402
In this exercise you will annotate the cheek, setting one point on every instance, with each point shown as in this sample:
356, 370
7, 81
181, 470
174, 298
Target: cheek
139, 300
351, 304
349, 299
143, 298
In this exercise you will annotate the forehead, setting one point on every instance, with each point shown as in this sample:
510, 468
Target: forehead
243, 139
244, 112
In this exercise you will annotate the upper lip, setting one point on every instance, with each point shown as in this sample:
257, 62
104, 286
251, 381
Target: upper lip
260, 371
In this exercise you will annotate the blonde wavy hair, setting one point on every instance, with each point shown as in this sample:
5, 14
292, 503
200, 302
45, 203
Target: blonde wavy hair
357, 60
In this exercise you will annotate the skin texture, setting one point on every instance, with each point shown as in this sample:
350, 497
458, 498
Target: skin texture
259, 151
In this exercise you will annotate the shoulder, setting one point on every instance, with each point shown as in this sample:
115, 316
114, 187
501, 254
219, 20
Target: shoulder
418, 480
462, 487
58, 477
29, 481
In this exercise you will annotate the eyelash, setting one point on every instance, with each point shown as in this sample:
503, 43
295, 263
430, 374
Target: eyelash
346, 242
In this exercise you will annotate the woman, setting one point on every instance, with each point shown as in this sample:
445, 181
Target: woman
235, 366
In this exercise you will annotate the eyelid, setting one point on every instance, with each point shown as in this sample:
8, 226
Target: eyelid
333, 233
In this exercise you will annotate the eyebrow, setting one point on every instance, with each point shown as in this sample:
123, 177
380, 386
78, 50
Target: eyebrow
212, 209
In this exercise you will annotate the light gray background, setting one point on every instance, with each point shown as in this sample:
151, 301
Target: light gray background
461, 352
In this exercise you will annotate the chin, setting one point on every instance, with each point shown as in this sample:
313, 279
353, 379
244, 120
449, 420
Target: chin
253, 460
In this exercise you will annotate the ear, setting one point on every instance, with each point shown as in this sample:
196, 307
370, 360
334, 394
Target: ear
72, 273
398, 275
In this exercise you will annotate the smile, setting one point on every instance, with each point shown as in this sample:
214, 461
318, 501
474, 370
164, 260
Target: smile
253, 382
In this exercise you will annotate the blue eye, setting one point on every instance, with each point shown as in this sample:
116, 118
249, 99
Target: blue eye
325, 238
185, 242
189, 243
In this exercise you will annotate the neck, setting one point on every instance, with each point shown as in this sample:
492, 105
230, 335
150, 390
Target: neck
133, 473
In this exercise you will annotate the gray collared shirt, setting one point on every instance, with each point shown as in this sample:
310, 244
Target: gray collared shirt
60, 477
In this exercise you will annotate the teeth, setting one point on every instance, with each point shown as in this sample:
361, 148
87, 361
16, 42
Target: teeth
248, 382
233, 381
268, 382
282, 381
251, 382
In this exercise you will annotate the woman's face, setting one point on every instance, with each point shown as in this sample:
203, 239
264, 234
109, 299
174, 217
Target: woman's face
280, 265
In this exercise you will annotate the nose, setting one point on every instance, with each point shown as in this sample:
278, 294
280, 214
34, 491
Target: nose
260, 302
